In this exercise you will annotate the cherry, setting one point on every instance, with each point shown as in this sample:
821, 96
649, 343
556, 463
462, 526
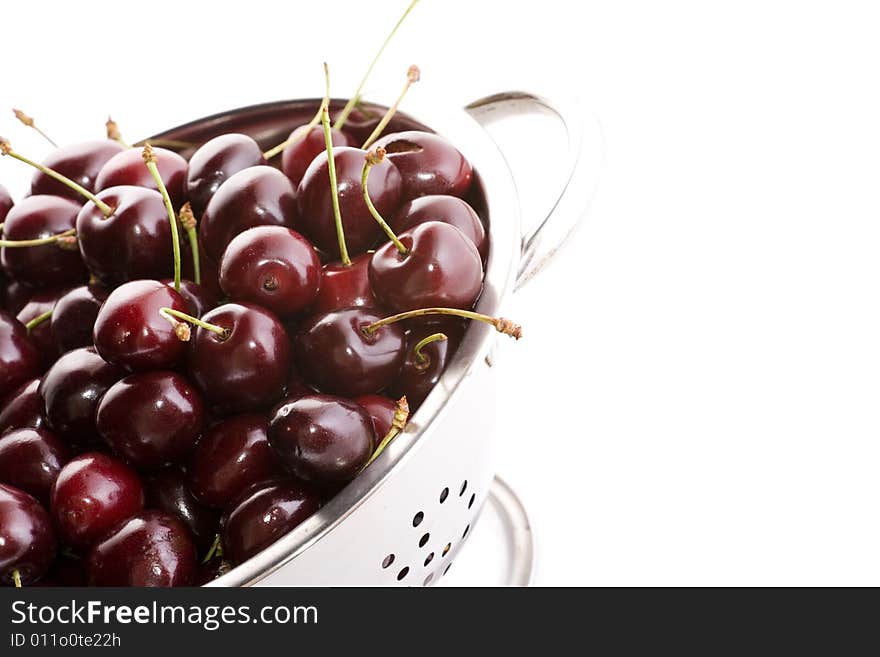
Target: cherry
22, 408
151, 419
30, 459
27, 541
272, 266
322, 439
71, 390
53, 263
36, 316
152, 548
338, 357
427, 354
92, 493
167, 491
74, 315
441, 267
127, 168
79, 162
308, 143
131, 332
428, 164
15, 294
215, 161
198, 298
241, 363
381, 410
447, 209
231, 456
264, 516
6, 203
344, 286
256, 196
19, 359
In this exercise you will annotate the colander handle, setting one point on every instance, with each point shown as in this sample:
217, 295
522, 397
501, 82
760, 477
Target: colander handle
542, 239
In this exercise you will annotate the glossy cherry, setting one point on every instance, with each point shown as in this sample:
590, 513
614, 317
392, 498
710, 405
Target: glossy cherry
167, 491
151, 419
442, 268
231, 456
19, 359
381, 410
73, 319
322, 439
131, 332
41, 335
22, 408
93, 493
264, 516
345, 286
30, 459
257, 196
337, 357
296, 158
27, 540
71, 390
6, 202
246, 368
428, 164
421, 371
127, 168
215, 161
447, 209
14, 294
151, 548
80, 162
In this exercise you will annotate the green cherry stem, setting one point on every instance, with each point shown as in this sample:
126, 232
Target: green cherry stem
216, 550
29, 122
501, 324
272, 152
6, 149
39, 319
334, 189
20, 244
180, 321
423, 360
16, 578
353, 101
188, 221
113, 133
412, 76
150, 161
370, 160
398, 424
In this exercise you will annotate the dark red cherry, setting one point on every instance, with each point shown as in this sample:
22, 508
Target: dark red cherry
245, 369
41, 335
93, 493
215, 161
338, 357
167, 491
443, 268
128, 168
22, 408
130, 331
133, 243
199, 299
27, 541
71, 390
15, 294
264, 516
80, 162
73, 320
296, 158
151, 419
428, 164
232, 455
448, 210
418, 376
322, 439
151, 548
316, 205
30, 459
19, 359
257, 196
6, 202
271, 266
345, 286
39, 217
381, 410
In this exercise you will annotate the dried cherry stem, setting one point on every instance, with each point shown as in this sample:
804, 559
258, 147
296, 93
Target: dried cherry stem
501, 324
16, 578
353, 101
150, 161
334, 189
216, 550
29, 122
39, 319
412, 76
113, 133
188, 221
6, 149
180, 321
290, 141
398, 424
371, 159
20, 244
424, 360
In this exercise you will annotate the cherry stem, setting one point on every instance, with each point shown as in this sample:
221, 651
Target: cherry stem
334, 189
216, 550
501, 324
113, 133
398, 424
353, 101
150, 161
167, 143
16, 578
370, 160
39, 319
29, 122
188, 221
424, 360
272, 152
412, 76
182, 330
19, 244
6, 149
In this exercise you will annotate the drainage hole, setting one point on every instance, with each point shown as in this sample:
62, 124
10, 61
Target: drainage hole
417, 519
424, 539
387, 561
403, 573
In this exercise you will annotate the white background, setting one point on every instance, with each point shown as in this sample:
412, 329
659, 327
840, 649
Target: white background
695, 400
